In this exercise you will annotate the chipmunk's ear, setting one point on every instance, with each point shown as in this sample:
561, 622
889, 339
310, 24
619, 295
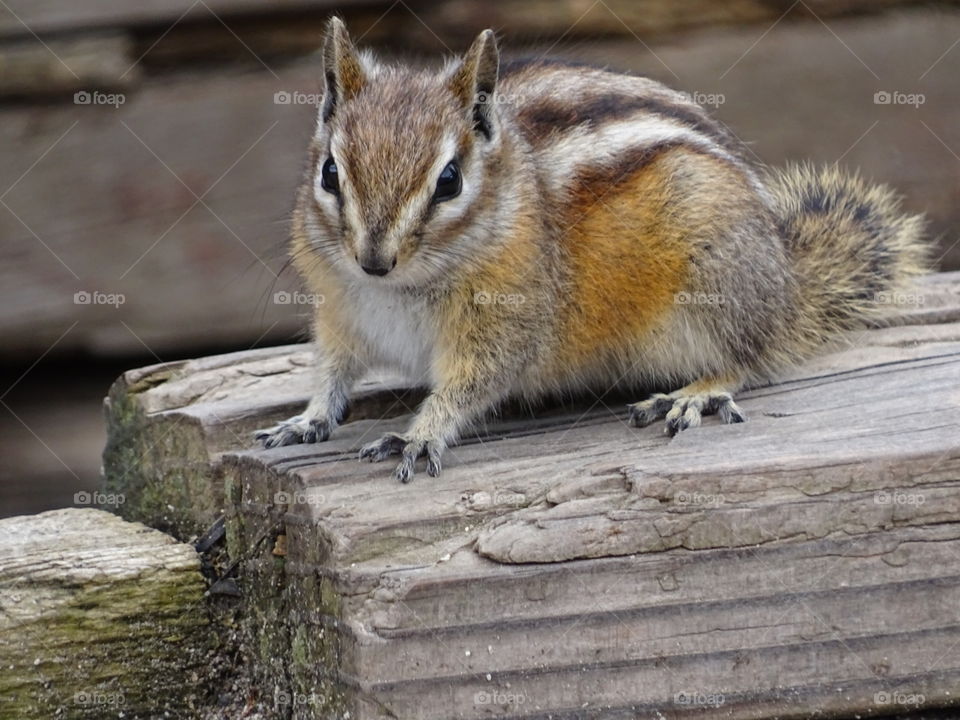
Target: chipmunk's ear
475, 81
342, 72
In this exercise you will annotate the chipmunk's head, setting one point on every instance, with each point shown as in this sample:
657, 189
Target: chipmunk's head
402, 161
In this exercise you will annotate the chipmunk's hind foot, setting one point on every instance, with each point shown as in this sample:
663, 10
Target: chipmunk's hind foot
685, 408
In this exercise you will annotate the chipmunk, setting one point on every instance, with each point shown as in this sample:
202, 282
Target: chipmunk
542, 228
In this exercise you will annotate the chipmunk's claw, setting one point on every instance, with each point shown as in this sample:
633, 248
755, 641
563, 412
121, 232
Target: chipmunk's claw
404, 471
434, 452
297, 429
683, 410
409, 450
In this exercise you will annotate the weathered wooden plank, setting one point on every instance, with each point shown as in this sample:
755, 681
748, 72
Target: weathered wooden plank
188, 271
697, 494
671, 606
46, 16
98, 617
786, 632
547, 18
645, 18
805, 562
63, 66
168, 423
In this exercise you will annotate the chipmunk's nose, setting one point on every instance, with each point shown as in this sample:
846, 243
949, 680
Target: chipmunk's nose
375, 270
378, 266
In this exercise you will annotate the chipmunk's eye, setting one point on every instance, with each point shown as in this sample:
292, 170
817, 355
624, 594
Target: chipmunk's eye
329, 179
449, 182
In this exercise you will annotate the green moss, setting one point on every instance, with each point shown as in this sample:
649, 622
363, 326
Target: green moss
315, 648
127, 642
329, 598
299, 652
160, 465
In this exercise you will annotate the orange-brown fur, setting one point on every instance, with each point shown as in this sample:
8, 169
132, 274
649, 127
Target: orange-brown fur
627, 259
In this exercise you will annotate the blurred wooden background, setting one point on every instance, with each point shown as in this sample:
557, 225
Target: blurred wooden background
149, 158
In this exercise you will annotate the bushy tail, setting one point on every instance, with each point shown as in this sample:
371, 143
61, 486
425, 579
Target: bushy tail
853, 251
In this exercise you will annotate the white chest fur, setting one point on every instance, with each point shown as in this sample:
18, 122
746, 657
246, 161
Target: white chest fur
396, 329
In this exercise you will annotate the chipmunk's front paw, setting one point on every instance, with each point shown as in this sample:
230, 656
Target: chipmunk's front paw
387, 445
409, 449
684, 409
298, 429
